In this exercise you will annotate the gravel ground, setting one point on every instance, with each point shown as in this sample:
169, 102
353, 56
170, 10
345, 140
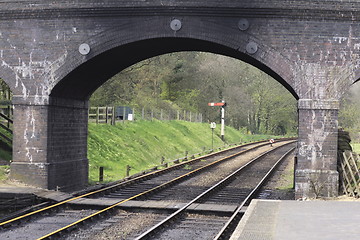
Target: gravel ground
194, 226
280, 185
122, 225
127, 225
42, 226
202, 181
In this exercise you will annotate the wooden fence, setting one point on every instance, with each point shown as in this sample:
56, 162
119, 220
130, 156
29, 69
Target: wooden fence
348, 166
6, 123
102, 115
109, 115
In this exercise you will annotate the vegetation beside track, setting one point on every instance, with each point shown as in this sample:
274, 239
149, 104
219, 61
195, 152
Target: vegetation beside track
5, 152
3, 172
356, 147
5, 155
142, 144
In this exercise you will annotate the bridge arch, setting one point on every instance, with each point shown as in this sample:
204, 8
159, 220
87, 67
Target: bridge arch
79, 76
306, 52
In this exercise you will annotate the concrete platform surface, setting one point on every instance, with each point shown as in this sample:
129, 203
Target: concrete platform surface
295, 220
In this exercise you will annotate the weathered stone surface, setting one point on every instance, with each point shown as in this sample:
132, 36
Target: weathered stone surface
311, 47
316, 183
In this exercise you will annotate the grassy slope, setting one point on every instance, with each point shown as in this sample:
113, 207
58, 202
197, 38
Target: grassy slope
141, 144
4, 172
4, 154
356, 147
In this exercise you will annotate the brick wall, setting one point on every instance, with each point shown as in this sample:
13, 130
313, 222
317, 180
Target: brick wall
305, 45
50, 144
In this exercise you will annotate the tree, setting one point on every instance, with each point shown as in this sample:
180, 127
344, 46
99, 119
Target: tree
349, 113
189, 80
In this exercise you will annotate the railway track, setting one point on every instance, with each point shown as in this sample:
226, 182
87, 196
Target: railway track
217, 194
154, 186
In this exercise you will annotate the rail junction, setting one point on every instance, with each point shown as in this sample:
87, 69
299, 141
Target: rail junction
203, 196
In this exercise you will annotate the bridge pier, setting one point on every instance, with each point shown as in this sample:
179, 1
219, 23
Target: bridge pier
316, 169
50, 143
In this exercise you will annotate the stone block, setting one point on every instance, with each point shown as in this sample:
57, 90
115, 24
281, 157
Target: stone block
316, 183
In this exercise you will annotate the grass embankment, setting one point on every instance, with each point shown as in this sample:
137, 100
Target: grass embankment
5, 152
142, 144
356, 147
4, 170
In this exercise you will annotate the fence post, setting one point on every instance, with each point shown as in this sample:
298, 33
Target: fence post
8, 115
143, 114
152, 115
128, 168
113, 116
161, 114
178, 115
124, 114
106, 114
190, 116
97, 115
101, 174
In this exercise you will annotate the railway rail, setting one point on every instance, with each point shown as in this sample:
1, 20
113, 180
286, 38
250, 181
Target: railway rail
216, 195
134, 189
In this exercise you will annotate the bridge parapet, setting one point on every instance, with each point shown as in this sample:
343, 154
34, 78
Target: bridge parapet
311, 47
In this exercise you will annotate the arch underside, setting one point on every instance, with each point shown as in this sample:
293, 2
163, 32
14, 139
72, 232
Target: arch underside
85, 79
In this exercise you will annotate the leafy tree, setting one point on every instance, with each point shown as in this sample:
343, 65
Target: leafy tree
5, 92
189, 80
349, 113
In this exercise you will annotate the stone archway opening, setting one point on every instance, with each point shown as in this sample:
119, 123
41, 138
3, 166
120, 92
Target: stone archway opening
349, 115
85, 79
6, 122
63, 122
214, 77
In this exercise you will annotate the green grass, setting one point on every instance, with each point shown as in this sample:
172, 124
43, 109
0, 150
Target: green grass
3, 172
287, 180
142, 144
356, 147
5, 155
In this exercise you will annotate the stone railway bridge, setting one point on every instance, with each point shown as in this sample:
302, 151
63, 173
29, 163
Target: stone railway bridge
55, 54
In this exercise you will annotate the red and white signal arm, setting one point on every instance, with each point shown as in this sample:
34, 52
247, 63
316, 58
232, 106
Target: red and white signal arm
271, 141
217, 104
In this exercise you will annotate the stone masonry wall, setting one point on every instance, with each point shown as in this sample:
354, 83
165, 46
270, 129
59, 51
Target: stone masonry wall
311, 47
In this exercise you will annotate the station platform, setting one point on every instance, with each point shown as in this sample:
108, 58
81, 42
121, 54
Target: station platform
295, 220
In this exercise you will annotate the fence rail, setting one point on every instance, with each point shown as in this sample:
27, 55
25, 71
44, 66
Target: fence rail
6, 123
348, 165
110, 115
102, 115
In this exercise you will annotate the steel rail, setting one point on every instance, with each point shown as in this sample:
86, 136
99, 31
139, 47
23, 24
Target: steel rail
118, 185
161, 186
157, 227
236, 215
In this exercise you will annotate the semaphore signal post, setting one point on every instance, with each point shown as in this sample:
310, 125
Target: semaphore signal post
221, 104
